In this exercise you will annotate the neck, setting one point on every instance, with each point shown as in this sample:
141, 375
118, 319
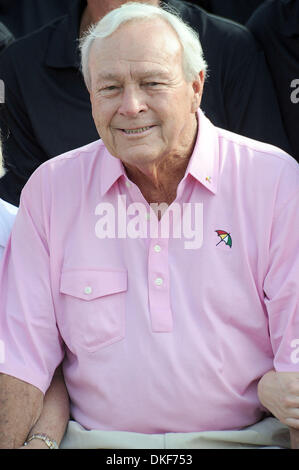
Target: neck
158, 182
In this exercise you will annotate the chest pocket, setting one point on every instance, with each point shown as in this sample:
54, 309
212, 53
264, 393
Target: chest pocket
94, 307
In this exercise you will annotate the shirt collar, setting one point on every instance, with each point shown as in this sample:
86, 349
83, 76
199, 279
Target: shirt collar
63, 45
111, 170
204, 161
203, 164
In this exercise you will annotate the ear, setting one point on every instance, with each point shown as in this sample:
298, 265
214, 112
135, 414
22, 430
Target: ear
197, 86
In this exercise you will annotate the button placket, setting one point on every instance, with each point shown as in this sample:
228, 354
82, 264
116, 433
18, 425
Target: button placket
158, 279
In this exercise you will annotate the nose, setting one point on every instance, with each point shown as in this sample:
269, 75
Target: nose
132, 102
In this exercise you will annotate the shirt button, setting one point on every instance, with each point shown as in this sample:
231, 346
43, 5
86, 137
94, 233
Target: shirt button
158, 281
128, 184
157, 248
87, 290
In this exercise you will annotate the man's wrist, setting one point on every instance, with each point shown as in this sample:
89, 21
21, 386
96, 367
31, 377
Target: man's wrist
264, 387
34, 444
44, 438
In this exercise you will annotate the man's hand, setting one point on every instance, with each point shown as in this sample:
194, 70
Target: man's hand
35, 444
20, 407
279, 393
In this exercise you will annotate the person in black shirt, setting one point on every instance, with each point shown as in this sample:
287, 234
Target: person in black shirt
22, 17
236, 10
276, 26
47, 110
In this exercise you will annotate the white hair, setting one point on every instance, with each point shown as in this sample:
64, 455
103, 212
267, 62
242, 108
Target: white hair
193, 59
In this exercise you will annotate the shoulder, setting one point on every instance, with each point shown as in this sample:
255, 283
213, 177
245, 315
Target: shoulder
275, 18
211, 26
259, 161
81, 157
265, 16
256, 147
30, 46
69, 165
64, 182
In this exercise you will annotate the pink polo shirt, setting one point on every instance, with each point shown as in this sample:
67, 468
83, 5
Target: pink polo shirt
160, 332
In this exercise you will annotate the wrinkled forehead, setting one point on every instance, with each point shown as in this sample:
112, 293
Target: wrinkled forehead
137, 40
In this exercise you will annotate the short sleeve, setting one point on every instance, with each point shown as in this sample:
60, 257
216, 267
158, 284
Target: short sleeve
32, 344
281, 284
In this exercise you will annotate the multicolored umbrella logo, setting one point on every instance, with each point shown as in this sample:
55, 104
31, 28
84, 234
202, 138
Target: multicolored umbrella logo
225, 237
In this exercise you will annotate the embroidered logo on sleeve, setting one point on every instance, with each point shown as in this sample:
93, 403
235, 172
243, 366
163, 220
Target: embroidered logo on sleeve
225, 237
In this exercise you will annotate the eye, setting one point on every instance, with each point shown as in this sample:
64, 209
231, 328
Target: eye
108, 90
152, 84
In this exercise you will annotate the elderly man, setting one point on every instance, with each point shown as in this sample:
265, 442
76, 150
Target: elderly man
159, 263
51, 114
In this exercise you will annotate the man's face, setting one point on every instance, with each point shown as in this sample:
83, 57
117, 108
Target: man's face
143, 108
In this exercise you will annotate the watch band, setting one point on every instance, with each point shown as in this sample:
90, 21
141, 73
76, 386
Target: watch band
47, 440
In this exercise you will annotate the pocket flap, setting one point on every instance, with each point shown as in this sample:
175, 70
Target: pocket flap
89, 285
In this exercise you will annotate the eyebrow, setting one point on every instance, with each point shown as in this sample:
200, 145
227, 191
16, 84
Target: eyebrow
107, 76
149, 74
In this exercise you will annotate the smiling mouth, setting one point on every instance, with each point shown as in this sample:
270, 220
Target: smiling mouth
139, 130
